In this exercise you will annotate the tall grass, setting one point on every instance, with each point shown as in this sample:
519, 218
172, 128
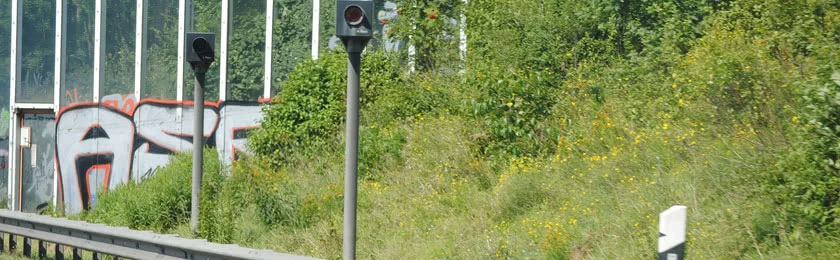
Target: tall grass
597, 197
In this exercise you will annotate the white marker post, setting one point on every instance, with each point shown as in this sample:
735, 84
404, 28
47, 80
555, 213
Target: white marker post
462, 43
672, 233
316, 27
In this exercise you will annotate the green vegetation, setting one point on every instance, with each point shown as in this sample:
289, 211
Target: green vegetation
572, 126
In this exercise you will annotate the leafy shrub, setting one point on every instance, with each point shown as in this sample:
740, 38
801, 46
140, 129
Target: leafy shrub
306, 112
310, 108
806, 183
736, 75
381, 74
512, 107
418, 95
160, 202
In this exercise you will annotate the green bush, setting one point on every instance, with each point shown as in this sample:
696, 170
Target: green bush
306, 112
806, 182
160, 202
417, 95
311, 106
512, 104
736, 74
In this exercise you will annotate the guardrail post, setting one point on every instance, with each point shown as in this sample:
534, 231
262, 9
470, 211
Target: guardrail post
12, 243
77, 254
42, 249
96, 256
27, 246
2, 242
59, 252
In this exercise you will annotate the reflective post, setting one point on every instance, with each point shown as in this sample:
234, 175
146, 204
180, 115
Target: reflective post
672, 223
316, 27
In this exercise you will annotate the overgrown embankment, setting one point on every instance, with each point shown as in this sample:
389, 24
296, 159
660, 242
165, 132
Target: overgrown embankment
572, 126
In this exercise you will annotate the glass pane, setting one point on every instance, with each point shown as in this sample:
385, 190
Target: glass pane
385, 13
37, 163
5, 40
119, 49
328, 40
208, 18
292, 38
38, 52
247, 47
161, 49
78, 70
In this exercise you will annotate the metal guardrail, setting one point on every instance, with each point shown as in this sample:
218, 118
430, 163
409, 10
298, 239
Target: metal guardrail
117, 241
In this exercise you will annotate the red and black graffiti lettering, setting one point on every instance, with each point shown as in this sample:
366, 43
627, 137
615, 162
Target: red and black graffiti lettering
102, 145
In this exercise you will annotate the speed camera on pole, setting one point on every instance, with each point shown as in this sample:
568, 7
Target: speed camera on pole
200, 50
353, 23
353, 27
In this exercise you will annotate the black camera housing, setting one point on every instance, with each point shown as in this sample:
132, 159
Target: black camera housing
345, 29
200, 48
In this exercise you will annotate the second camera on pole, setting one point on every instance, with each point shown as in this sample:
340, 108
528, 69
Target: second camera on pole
200, 48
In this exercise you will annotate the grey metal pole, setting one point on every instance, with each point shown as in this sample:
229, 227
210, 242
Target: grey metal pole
198, 144
351, 154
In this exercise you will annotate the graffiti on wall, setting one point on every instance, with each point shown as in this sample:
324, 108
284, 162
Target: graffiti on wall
103, 145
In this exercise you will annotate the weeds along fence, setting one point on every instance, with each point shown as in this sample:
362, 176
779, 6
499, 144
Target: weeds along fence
63, 235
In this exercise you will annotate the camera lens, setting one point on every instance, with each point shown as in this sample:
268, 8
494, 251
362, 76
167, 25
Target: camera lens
201, 46
353, 15
203, 49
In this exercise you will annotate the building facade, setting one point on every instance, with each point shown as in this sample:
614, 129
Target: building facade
96, 93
